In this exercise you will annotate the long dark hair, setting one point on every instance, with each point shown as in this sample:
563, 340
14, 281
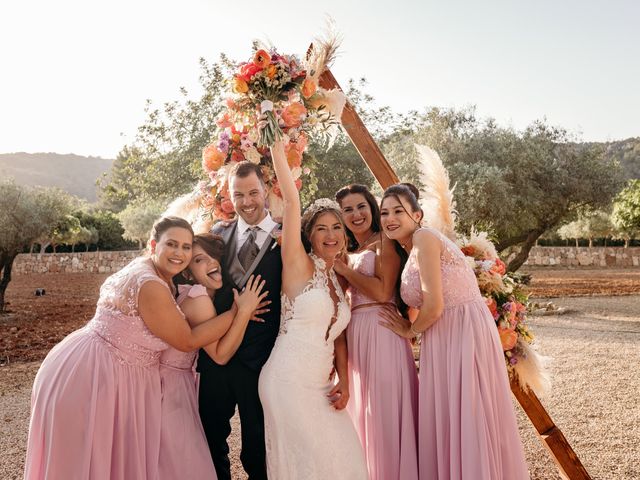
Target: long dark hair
410, 193
356, 188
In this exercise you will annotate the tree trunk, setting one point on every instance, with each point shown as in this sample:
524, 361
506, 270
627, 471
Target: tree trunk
605, 241
523, 254
577, 245
590, 242
626, 243
43, 247
6, 264
73, 248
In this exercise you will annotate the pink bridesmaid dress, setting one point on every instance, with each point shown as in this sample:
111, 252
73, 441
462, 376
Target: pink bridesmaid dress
383, 380
467, 427
96, 400
184, 452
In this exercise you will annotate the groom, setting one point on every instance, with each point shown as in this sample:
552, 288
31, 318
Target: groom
250, 248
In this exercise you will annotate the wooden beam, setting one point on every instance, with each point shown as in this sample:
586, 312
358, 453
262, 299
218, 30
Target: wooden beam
566, 460
361, 138
569, 465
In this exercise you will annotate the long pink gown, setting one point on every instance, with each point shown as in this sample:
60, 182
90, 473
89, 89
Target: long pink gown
467, 426
184, 452
383, 380
96, 400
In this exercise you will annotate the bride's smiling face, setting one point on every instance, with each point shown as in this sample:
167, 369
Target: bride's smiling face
327, 236
204, 269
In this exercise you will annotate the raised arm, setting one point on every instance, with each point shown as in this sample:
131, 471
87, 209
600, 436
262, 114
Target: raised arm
298, 265
162, 316
380, 287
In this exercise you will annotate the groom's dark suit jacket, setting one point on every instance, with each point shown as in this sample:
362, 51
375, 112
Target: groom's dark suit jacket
259, 337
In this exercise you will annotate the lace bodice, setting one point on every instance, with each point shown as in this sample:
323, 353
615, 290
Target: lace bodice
313, 309
459, 283
365, 263
172, 357
117, 320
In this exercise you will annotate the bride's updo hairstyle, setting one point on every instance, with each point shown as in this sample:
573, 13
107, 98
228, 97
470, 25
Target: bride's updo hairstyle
165, 223
311, 214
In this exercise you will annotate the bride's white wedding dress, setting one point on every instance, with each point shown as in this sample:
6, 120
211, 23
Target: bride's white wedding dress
306, 438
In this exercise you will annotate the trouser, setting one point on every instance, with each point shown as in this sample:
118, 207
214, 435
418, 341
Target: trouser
221, 389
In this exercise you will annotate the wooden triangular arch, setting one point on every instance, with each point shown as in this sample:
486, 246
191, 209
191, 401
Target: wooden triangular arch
568, 463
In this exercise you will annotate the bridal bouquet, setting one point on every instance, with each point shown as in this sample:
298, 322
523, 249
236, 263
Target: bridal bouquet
506, 298
272, 97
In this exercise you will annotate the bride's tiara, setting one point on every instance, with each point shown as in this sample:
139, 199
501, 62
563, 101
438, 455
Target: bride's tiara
319, 205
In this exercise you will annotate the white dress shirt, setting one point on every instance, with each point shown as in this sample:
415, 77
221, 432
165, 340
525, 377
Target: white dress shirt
262, 234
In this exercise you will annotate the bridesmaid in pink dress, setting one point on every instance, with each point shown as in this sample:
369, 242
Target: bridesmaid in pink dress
184, 452
96, 402
467, 426
382, 373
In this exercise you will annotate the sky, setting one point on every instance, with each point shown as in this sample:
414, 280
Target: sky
75, 74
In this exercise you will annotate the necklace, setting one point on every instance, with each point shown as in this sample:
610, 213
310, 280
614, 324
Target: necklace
364, 244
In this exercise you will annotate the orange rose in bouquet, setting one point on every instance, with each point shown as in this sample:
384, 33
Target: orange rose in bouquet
262, 59
212, 158
293, 115
508, 338
248, 70
240, 85
309, 87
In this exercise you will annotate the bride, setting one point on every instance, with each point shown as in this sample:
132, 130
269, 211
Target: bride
307, 431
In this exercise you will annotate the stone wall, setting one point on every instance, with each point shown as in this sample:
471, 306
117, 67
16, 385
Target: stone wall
109, 262
608, 257
83, 262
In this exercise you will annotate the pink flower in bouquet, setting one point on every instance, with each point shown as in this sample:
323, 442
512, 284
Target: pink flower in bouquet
262, 59
500, 268
224, 122
275, 188
493, 306
508, 338
240, 85
293, 115
227, 206
309, 87
212, 158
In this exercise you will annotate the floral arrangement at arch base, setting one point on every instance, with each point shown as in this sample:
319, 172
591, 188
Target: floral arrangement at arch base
271, 97
503, 292
507, 300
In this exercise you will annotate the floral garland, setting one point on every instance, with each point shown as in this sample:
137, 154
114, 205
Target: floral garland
507, 300
272, 97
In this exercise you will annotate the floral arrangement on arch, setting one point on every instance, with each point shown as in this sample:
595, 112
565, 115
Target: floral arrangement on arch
507, 300
271, 97
504, 293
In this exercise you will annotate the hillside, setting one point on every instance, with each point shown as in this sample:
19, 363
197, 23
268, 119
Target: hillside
72, 173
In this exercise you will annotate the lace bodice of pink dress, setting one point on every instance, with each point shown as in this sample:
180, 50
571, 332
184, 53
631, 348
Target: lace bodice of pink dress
117, 320
365, 263
459, 284
172, 357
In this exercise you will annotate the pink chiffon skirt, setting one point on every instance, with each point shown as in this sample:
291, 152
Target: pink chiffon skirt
95, 413
467, 425
383, 400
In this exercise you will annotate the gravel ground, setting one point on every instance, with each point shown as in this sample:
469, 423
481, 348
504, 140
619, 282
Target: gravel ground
594, 398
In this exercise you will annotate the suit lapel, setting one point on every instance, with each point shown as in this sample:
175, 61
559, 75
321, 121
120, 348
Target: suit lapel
265, 248
232, 264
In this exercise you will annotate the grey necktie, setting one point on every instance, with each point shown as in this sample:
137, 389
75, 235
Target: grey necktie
249, 249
